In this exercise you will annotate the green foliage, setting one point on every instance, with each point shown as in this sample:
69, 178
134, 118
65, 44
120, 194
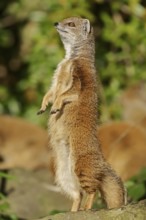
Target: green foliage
5, 210
54, 212
4, 206
136, 186
7, 176
40, 50
125, 32
31, 49
122, 62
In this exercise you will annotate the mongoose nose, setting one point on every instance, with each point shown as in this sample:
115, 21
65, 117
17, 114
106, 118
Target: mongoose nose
55, 24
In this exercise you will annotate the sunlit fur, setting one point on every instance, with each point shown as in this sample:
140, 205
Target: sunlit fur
79, 163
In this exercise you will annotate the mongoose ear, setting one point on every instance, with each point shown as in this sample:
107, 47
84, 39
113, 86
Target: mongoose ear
86, 26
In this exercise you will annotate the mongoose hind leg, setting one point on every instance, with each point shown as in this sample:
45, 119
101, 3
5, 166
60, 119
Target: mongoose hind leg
101, 178
89, 201
76, 204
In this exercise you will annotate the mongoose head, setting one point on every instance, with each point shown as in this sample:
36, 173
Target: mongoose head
74, 32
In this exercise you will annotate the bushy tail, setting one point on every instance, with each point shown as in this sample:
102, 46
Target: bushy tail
112, 190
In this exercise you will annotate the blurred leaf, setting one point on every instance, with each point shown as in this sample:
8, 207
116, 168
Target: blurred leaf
3, 207
137, 191
54, 212
141, 177
7, 176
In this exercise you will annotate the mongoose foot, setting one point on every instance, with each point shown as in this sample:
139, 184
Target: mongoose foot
54, 111
40, 112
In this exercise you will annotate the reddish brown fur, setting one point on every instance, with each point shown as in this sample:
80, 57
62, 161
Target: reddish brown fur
79, 163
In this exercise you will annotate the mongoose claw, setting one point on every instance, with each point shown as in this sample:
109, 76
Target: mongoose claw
54, 111
40, 112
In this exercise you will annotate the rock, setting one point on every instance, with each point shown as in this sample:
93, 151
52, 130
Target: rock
129, 212
31, 194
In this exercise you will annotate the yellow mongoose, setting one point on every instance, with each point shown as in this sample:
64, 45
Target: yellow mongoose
78, 161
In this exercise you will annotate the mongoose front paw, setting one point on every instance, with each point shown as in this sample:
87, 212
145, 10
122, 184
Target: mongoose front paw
40, 112
54, 111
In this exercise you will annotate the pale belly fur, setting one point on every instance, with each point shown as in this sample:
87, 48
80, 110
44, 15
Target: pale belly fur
66, 179
65, 176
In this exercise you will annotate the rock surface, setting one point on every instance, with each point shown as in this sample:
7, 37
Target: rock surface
129, 212
30, 194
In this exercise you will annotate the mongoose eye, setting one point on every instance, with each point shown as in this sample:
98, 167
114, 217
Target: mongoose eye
71, 24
